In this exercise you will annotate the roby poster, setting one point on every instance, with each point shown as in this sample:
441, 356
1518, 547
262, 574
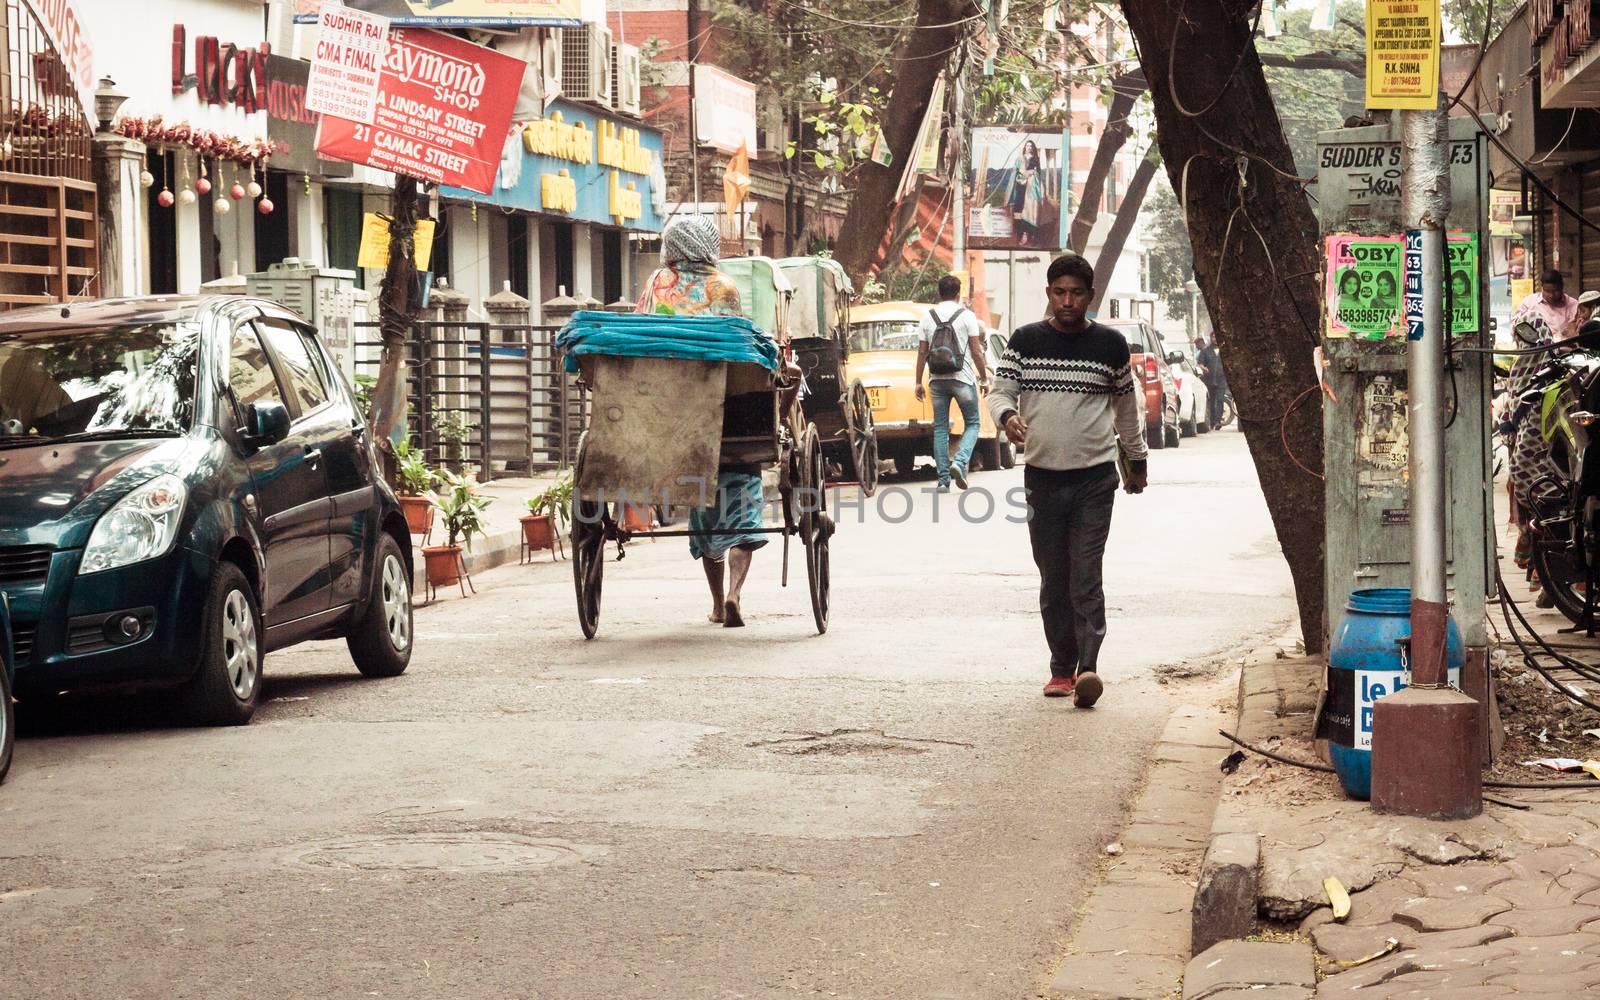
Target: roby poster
1363, 286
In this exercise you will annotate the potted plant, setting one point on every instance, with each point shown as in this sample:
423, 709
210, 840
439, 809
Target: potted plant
451, 430
548, 515
461, 509
416, 483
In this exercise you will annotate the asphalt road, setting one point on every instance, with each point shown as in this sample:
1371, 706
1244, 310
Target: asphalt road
671, 811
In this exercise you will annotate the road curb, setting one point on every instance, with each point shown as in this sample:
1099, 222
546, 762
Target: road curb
1276, 692
488, 552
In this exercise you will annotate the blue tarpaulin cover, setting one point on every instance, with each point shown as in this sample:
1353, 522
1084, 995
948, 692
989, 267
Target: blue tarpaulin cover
691, 338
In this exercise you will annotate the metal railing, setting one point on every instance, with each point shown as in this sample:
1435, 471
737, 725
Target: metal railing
490, 396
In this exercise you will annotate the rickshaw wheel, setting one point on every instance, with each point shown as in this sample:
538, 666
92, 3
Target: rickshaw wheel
863, 440
588, 562
816, 527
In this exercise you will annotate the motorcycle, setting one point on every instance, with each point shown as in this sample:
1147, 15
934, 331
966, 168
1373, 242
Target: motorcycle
1561, 402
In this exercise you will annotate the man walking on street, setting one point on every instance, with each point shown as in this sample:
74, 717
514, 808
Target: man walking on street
1210, 365
950, 348
1065, 391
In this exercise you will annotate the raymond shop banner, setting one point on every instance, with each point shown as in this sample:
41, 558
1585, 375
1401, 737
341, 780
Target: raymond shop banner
461, 13
444, 110
1363, 286
1017, 189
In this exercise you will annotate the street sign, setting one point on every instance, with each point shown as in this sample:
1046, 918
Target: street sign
1403, 54
444, 110
344, 73
1413, 276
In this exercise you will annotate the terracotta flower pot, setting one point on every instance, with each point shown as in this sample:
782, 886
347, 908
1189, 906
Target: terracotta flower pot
419, 514
638, 518
538, 531
443, 563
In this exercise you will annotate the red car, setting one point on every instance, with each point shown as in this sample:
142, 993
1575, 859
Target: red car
1154, 377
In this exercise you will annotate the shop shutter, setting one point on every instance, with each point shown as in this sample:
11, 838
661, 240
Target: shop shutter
1588, 237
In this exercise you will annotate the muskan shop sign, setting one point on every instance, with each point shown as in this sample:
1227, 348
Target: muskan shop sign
581, 166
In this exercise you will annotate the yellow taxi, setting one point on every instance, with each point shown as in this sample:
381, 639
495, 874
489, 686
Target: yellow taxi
883, 355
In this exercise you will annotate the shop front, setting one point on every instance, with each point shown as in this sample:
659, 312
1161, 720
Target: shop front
49, 238
571, 194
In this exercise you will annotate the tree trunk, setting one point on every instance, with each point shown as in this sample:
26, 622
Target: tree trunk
1264, 307
398, 303
1127, 215
920, 58
1125, 93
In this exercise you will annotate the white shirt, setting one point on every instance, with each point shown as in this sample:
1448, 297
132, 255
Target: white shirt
966, 327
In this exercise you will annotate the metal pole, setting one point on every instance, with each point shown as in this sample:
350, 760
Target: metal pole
694, 125
1425, 207
1011, 289
1426, 756
958, 196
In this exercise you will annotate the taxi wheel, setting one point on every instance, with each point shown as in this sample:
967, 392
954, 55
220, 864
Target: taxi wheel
226, 688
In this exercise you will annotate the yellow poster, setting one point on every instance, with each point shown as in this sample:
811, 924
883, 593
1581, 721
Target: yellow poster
1403, 54
375, 242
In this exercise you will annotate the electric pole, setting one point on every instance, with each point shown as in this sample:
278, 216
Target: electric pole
1426, 758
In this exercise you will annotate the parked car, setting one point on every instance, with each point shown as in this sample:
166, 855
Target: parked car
883, 354
1194, 398
1154, 377
186, 485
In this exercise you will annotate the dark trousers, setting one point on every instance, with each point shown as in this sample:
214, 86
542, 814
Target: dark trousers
1214, 405
1069, 524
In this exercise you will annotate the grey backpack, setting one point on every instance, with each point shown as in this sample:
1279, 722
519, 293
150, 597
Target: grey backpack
946, 353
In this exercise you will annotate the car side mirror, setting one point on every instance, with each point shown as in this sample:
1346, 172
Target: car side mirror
1526, 333
266, 423
1175, 358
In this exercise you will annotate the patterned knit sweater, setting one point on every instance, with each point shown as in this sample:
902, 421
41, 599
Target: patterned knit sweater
1077, 393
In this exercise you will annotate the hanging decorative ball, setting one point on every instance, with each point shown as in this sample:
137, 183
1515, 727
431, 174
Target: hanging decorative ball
253, 189
147, 179
164, 199
186, 197
264, 206
202, 186
221, 207
236, 192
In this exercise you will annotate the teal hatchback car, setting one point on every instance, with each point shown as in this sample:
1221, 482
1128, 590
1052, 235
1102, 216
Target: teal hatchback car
186, 485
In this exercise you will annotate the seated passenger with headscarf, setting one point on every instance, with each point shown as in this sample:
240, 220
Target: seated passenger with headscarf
689, 284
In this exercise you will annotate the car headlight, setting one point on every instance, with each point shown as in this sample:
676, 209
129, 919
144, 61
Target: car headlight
142, 525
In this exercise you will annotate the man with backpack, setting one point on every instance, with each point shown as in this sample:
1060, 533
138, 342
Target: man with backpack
950, 349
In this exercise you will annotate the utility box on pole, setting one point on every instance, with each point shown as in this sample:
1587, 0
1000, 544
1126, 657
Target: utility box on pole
326, 296
1366, 446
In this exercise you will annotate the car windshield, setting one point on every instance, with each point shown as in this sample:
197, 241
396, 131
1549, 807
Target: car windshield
888, 335
130, 380
1135, 339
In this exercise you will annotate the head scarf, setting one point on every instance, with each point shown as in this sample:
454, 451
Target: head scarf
691, 239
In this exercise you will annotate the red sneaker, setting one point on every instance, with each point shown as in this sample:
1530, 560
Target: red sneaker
1059, 687
1088, 690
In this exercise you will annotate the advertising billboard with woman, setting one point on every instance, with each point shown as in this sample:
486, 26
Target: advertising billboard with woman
1016, 192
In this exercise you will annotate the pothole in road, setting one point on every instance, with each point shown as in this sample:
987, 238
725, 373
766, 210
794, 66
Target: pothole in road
853, 742
467, 853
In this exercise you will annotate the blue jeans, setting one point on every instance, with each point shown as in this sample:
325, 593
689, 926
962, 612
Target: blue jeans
966, 396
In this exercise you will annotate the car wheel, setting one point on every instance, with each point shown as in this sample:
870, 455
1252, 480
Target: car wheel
1172, 435
8, 723
904, 463
1188, 428
990, 452
1156, 437
1008, 454
227, 685
381, 643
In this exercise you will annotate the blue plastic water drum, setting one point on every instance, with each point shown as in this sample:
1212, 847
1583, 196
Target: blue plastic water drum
1367, 661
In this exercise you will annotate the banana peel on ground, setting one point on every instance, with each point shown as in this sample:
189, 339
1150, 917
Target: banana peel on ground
1338, 898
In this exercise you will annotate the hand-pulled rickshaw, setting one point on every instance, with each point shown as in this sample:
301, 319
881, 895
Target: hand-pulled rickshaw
663, 421
835, 401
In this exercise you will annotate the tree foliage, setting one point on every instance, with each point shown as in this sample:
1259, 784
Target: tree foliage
1466, 17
